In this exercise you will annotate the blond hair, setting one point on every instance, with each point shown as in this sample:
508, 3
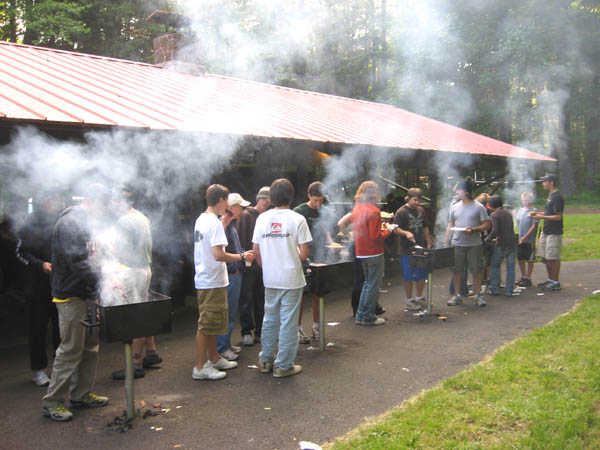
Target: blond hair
483, 198
528, 196
368, 191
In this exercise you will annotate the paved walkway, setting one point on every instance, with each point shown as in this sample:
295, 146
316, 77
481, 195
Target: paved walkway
363, 373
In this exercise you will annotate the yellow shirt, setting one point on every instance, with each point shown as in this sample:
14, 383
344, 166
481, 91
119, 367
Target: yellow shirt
59, 300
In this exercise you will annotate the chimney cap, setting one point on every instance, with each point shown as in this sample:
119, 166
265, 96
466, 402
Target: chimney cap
167, 18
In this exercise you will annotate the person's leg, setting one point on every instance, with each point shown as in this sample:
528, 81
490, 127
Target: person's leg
476, 262
464, 280
246, 303
70, 351
270, 325
373, 268
233, 297
202, 343
509, 287
553, 269
259, 304
523, 269
406, 276
495, 273
357, 286
87, 367
38, 313
137, 348
288, 342
420, 287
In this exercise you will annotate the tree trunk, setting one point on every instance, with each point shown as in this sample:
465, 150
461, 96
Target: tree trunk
567, 175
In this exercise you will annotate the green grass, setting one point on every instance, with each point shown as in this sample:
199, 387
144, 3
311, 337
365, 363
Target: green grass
539, 392
581, 239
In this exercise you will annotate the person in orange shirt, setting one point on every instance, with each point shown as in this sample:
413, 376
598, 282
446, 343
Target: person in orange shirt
368, 238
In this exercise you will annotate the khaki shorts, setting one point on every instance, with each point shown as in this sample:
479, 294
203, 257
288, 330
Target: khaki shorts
550, 246
212, 311
473, 256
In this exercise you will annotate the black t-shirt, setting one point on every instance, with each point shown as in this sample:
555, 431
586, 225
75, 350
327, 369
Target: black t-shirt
554, 204
415, 221
319, 221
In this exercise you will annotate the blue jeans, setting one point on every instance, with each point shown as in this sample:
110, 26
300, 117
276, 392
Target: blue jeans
233, 299
369, 296
280, 326
510, 254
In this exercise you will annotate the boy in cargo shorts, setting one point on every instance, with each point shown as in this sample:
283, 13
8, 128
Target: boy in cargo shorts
211, 283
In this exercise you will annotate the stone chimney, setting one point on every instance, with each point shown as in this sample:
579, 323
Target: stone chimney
174, 50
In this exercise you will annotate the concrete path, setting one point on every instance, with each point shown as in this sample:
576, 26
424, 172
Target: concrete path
364, 373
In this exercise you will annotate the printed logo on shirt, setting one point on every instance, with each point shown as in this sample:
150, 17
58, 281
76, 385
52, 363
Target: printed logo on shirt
276, 232
198, 236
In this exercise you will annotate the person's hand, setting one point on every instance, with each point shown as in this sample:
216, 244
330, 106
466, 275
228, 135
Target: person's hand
249, 255
521, 241
468, 230
47, 267
411, 237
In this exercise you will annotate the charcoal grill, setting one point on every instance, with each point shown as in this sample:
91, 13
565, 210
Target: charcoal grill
430, 259
323, 279
127, 322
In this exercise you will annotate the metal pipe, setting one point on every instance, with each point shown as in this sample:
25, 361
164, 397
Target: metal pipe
429, 291
400, 186
129, 404
321, 323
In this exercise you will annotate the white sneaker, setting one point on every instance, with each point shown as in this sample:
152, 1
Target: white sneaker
235, 348
40, 378
411, 303
223, 364
247, 340
208, 372
302, 338
229, 355
315, 333
420, 300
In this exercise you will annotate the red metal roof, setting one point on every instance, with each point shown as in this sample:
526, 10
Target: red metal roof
53, 86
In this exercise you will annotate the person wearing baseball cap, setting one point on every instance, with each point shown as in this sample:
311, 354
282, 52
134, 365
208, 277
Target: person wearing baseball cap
235, 269
551, 238
252, 298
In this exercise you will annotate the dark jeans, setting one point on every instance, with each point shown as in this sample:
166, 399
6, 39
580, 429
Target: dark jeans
252, 302
41, 310
359, 280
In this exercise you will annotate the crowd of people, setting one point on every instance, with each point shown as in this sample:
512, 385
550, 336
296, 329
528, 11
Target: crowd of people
249, 262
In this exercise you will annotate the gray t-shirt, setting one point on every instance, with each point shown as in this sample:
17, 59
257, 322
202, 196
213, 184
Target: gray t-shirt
467, 215
525, 222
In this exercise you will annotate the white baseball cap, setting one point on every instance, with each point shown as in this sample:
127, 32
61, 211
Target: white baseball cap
236, 199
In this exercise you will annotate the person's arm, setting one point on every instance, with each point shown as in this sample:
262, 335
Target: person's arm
344, 222
555, 217
25, 253
374, 227
449, 234
427, 237
221, 255
303, 251
256, 249
532, 230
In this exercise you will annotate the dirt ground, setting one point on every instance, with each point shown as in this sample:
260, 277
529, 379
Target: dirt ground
362, 373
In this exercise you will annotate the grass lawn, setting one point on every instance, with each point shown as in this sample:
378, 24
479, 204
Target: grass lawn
540, 392
582, 237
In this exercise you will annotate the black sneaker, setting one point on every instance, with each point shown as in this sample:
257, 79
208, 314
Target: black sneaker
541, 285
151, 359
90, 401
524, 282
138, 372
380, 310
551, 287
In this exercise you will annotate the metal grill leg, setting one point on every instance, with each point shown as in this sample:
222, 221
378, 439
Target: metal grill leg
429, 292
129, 403
321, 323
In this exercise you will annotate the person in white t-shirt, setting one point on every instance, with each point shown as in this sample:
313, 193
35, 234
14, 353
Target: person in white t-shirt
281, 239
211, 283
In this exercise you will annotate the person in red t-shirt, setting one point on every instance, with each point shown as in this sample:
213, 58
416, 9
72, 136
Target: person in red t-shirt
368, 238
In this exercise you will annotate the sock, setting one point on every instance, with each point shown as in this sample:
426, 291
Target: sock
150, 352
315, 325
552, 281
408, 300
419, 298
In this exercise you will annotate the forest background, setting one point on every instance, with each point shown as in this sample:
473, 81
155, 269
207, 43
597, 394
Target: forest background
525, 72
